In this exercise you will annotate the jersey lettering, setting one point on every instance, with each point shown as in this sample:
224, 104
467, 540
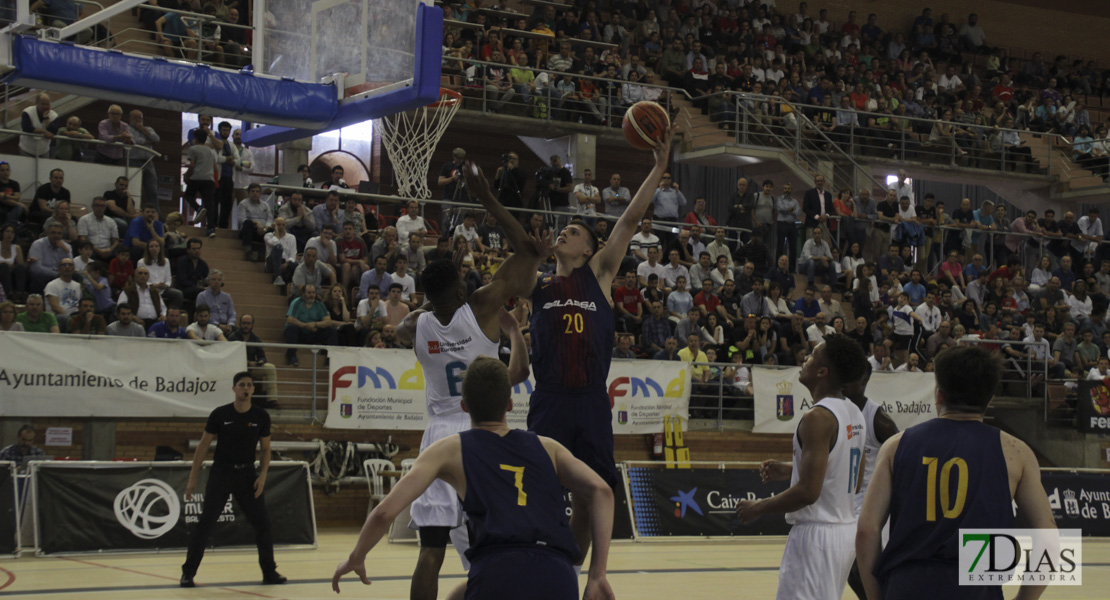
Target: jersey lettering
518, 481
949, 508
455, 371
853, 468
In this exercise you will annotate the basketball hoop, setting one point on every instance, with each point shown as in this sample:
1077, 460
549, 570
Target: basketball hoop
410, 138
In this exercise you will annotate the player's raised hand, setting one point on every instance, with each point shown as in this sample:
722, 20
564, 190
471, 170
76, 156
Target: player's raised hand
475, 179
347, 566
543, 243
774, 470
663, 150
598, 589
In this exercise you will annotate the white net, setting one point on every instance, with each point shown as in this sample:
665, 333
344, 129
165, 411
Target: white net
410, 138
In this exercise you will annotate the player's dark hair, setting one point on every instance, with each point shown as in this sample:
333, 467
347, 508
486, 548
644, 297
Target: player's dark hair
240, 375
486, 389
440, 278
967, 377
589, 234
844, 358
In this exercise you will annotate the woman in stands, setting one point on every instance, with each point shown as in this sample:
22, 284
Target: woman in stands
851, 261
161, 273
13, 268
175, 240
7, 318
336, 302
779, 308
1041, 274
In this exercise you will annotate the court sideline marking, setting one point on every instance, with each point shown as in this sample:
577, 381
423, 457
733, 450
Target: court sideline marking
87, 562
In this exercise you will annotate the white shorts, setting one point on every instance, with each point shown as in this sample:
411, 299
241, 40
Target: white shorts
816, 561
439, 505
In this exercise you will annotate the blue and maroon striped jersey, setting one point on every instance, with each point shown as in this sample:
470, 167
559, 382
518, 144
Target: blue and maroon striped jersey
572, 332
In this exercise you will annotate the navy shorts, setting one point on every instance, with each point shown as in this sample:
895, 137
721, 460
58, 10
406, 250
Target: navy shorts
928, 581
581, 421
517, 573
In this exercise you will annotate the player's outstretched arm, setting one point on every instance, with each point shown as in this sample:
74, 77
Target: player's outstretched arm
441, 460
609, 258
577, 477
816, 431
515, 277
518, 350
478, 185
876, 508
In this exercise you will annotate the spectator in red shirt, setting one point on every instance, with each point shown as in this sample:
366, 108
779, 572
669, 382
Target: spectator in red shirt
850, 27
1003, 91
698, 216
120, 269
706, 300
352, 254
628, 304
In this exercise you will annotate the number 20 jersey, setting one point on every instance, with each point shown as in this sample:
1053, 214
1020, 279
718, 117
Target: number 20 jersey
836, 504
572, 332
444, 352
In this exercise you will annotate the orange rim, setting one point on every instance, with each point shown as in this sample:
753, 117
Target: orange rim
447, 97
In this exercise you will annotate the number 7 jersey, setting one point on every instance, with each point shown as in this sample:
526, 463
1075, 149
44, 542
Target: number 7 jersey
573, 329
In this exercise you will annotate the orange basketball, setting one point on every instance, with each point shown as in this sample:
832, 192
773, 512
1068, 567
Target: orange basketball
645, 124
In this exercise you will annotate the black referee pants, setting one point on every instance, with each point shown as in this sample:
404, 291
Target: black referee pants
239, 483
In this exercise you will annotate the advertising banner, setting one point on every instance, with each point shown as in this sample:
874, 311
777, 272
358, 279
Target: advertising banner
1079, 500
9, 516
384, 389
51, 375
115, 507
1094, 406
781, 400
699, 502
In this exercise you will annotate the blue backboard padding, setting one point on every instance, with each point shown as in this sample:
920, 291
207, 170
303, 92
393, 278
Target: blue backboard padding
170, 84
424, 89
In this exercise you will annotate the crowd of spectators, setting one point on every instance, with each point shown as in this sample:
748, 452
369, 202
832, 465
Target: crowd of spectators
851, 75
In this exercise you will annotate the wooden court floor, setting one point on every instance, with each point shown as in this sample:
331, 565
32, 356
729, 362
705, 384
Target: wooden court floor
642, 571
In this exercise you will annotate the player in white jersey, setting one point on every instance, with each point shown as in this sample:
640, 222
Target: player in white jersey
447, 333
879, 427
824, 478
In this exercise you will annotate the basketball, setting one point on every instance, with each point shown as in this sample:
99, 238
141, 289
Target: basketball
645, 124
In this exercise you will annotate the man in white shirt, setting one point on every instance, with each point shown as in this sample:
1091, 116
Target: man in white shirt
324, 244
63, 295
816, 333
588, 196
101, 231
643, 241
370, 313
880, 359
829, 305
201, 329
650, 266
673, 270
411, 222
719, 247
281, 252
904, 187
1090, 234
817, 258
255, 216
242, 173
931, 318
408, 284
469, 230
911, 364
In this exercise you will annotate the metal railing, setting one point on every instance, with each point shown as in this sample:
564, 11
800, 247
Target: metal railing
1025, 373
127, 148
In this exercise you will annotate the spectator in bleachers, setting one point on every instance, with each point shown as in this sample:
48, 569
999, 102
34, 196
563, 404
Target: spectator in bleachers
328, 213
121, 207
41, 120
191, 270
46, 256
378, 277
144, 137
281, 253
47, 196
170, 327
299, 219
674, 270
643, 240
114, 131
308, 322
817, 258
125, 325
61, 216
8, 320
143, 229
327, 252
255, 218
161, 273
261, 370
312, 272
70, 140
35, 319
145, 302
387, 245
63, 294
13, 267
99, 230
650, 267
411, 222
203, 328
352, 256
219, 301
341, 316
11, 209
85, 321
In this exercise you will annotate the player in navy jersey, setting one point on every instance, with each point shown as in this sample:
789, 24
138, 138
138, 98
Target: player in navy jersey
572, 340
986, 470
510, 485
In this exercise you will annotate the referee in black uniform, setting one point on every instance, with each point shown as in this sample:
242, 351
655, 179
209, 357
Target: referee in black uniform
239, 427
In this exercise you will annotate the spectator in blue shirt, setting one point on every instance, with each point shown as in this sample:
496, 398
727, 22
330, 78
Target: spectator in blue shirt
141, 230
808, 305
669, 351
170, 328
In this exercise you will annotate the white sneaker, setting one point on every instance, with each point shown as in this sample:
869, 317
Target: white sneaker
199, 218
279, 281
